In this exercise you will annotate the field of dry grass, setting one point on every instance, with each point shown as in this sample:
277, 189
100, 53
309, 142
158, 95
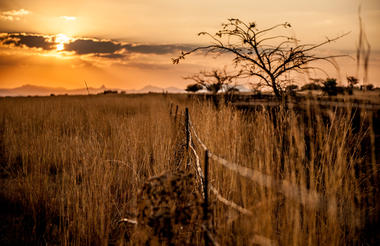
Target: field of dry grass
72, 167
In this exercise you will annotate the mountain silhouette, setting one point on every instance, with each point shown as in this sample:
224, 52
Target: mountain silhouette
35, 90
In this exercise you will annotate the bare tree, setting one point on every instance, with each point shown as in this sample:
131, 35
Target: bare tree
352, 81
215, 80
260, 53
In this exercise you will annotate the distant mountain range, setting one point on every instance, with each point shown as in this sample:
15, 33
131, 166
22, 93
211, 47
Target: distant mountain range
33, 90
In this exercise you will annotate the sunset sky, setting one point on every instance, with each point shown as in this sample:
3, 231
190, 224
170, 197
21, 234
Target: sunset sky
129, 43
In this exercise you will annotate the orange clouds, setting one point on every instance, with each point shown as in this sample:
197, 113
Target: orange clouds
85, 46
135, 40
60, 60
13, 15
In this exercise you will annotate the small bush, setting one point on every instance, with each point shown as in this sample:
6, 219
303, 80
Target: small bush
330, 87
311, 86
194, 87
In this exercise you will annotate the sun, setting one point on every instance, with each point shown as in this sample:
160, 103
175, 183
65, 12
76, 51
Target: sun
61, 40
60, 47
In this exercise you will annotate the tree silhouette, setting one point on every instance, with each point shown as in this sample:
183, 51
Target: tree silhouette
369, 87
215, 80
330, 87
194, 88
314, 86
352, 81
260, 53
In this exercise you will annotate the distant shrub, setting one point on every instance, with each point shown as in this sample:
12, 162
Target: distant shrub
311, 86
110, 92
194, 87
232, 89
330, 87
352, 81
291, 89
369, 87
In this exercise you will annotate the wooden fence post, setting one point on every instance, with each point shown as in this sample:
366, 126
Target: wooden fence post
205, 204
175, 114
187, 128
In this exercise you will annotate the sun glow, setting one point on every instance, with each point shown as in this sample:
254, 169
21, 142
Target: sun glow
61, 40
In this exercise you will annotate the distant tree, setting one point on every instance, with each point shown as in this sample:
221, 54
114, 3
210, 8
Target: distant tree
330, 87
193, 88
214, 80
369, 87
256, 88
110, 92
352, 81
261, 54
291, 89
311, 86
232, 89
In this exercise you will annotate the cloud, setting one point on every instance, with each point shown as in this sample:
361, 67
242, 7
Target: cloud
89, 46
27, 40
92, 46
13, 15
68, 18
107, 49
155, 49
111, 56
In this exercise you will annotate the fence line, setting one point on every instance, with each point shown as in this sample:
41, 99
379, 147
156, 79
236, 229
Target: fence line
311, 199
208, 237
198, 165
230, 203
213, 189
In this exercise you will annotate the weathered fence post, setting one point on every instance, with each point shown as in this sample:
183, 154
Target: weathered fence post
175, 114
187, 128
205, 204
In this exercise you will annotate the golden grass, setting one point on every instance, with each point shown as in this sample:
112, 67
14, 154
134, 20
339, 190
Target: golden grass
75, 166
281, 152
76, 163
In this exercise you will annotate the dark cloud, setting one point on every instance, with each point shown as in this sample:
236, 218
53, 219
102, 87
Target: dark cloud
28, 40
155, 49
111, 56
101, 48
92, 46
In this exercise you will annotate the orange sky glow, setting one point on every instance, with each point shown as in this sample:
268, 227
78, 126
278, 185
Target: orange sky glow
128, 44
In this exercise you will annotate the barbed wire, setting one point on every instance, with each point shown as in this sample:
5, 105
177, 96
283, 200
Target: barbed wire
198, 166
219, 197
210, 236
304, 196
214, 190
229, 202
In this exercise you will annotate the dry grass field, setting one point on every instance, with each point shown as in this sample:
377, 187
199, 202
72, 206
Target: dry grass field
73, 166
